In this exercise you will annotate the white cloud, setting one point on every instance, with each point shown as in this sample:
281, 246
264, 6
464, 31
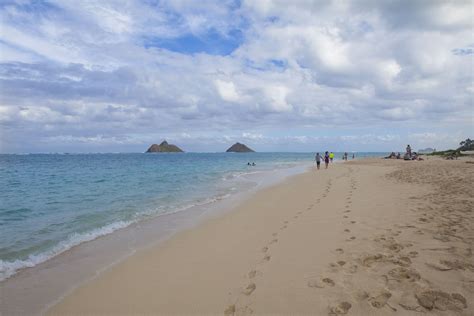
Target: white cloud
227, 90
398, 113
276, 96
303, 68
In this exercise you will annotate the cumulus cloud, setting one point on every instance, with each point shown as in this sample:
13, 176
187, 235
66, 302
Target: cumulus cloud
227, 90
306, 73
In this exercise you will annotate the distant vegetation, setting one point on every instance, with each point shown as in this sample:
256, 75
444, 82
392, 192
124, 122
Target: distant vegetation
445, 153
465, 145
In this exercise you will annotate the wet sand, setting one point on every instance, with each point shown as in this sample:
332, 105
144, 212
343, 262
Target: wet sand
365, 237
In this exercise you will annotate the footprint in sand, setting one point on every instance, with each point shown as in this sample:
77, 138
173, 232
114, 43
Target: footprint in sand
230, 310
403, 261
351, 238
273, 241
340, 309
361, 295
274, 234
353, 222
381, 300
328, 281
445, 265
353, 268
334, 267
347, 211
345, 216
368, 260
267, 258
283, 227
347, 230
285, 222
250, 288
341, 263
252, 274
340, 251
264, 249
404, 274
431, 299
320, 283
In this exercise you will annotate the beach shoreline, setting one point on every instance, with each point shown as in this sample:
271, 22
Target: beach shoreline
318, 242
367, 237
33, 290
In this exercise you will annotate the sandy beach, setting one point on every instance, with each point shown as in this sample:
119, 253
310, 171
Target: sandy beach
368, 237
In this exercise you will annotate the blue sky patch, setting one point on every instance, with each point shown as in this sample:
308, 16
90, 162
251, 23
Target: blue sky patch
212, 43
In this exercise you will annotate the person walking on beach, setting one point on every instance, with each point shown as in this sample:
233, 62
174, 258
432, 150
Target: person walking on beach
331, 156
318, 160
326, 159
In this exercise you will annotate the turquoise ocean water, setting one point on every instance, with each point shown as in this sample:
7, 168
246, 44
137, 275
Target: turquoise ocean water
52, 202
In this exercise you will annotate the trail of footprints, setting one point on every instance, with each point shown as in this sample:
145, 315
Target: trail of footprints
243, 303
347, 211
343, 307
394, 263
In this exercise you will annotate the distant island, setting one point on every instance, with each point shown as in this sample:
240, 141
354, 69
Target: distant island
164, 147
239, 148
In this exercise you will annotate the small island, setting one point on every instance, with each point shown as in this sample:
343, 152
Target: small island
164, 147
239, 148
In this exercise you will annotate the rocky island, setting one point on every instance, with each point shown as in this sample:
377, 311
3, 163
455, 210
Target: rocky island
239, 148
164, 147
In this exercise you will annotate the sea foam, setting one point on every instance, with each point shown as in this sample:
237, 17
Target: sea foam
9, 268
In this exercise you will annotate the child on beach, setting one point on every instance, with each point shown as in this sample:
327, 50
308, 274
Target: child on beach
326, 159
331, 156
318, 160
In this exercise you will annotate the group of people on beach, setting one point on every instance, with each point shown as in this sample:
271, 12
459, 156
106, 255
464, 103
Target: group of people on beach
328, 157
409, 155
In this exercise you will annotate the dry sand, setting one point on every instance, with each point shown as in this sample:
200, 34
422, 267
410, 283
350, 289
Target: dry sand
369, 237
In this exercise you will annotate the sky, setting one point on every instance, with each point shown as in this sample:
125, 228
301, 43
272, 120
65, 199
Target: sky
117, 76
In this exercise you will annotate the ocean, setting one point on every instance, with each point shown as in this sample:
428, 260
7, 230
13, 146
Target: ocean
50, 203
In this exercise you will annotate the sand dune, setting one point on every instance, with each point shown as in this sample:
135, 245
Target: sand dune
369, 237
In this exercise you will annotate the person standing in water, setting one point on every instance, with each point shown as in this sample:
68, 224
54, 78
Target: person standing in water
318, 160
326, 159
